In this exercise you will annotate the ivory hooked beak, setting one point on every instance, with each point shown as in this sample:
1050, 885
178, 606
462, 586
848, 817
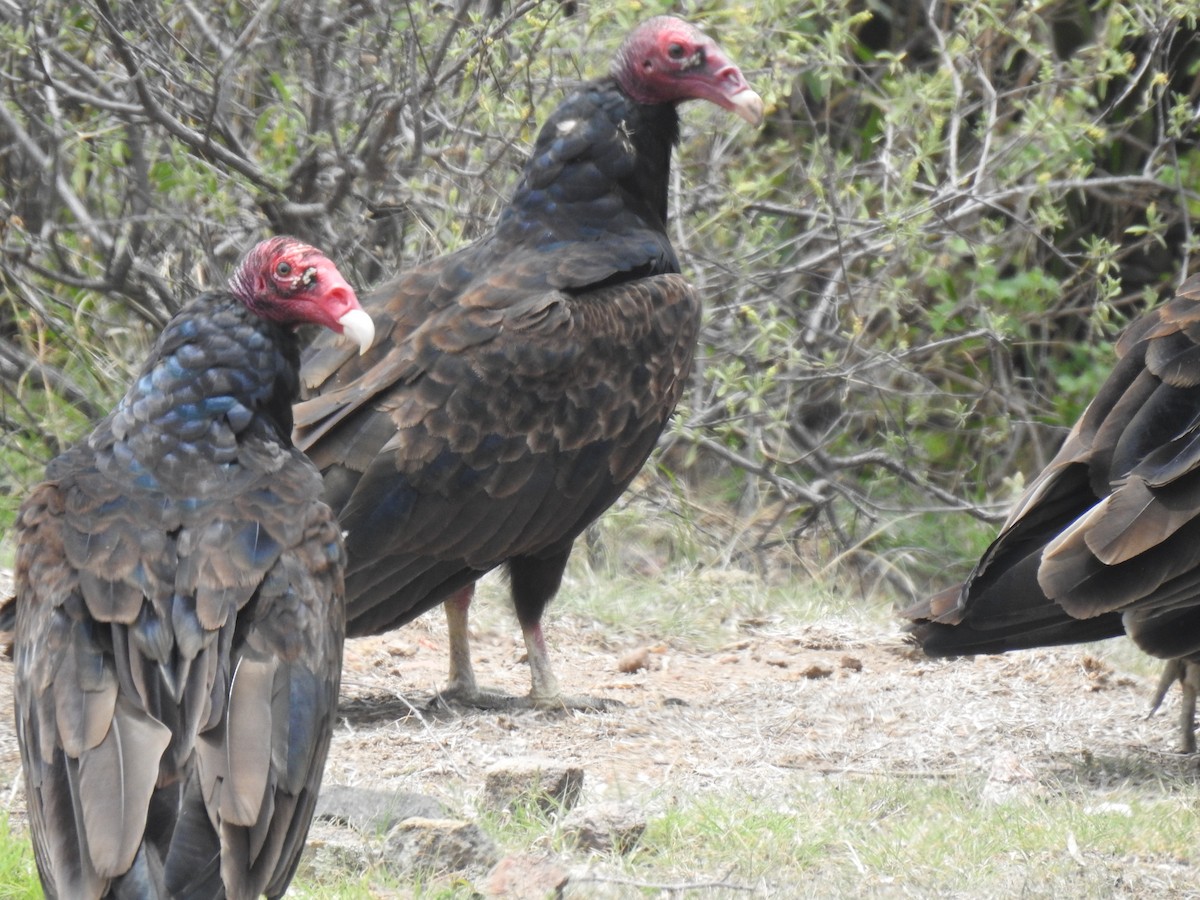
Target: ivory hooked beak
357, 326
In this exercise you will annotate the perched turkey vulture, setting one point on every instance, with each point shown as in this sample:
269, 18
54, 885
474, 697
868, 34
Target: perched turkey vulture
1106, 540
179, 609
519, 384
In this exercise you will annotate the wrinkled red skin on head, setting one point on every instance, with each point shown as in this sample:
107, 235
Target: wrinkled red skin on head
667, 60
287, 281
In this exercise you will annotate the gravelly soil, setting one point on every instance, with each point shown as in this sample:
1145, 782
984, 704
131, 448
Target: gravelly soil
778, 704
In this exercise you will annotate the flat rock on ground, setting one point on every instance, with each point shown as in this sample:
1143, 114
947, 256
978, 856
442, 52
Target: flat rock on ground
546, 783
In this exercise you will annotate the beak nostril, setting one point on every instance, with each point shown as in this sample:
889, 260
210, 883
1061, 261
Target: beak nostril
339, 298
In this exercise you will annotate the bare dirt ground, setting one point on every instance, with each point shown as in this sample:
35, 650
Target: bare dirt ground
776, 705
824, 697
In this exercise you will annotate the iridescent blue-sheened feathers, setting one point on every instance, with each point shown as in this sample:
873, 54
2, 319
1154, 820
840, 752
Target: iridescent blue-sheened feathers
178, 627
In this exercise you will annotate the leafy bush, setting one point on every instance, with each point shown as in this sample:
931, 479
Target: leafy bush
913, 272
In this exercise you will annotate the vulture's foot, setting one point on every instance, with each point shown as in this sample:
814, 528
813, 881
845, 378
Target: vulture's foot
496, 701
574, 702
477, 698
1188, 676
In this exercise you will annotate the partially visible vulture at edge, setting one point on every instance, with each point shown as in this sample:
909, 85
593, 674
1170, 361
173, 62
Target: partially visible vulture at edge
179, 609
1106, 540
520, 383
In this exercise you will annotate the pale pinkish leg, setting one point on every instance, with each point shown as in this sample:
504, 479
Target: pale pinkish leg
543, 691
1190, 682
462, 673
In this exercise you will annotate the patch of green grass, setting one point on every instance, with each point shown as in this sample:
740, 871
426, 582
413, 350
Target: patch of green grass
933, 550
835, 836
345, 885
18, 872
651, 572
700, 607
1125, 656
19, 878
842, 837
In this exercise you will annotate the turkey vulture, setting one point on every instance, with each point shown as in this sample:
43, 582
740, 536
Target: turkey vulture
1106, 540
519, 383
180, 611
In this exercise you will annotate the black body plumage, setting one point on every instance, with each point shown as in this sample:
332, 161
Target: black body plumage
518, 384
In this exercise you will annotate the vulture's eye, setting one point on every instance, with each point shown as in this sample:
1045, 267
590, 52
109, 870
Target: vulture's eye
675, 51
283, 269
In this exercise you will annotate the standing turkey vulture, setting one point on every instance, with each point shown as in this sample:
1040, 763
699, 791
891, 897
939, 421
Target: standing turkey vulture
179, 609
1106, 540
521, 382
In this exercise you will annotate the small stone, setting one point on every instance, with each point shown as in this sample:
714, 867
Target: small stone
551, 785
526, 877
634, 660
437, 846
605, 827
370, 810
853, 663
333, 848
1010, 780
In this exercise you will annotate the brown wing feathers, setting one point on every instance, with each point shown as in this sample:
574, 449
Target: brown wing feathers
545, 410
1107, 539
115, 747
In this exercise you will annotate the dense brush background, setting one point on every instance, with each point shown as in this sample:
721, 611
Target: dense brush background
913, 272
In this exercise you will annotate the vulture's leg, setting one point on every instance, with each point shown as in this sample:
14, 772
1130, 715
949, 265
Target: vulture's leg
462, 673
1189, 681
543, 686
462, 687
534, 583
1188, 676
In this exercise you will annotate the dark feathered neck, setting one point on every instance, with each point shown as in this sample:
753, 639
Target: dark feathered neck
218, 375
601, 164
655, 131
